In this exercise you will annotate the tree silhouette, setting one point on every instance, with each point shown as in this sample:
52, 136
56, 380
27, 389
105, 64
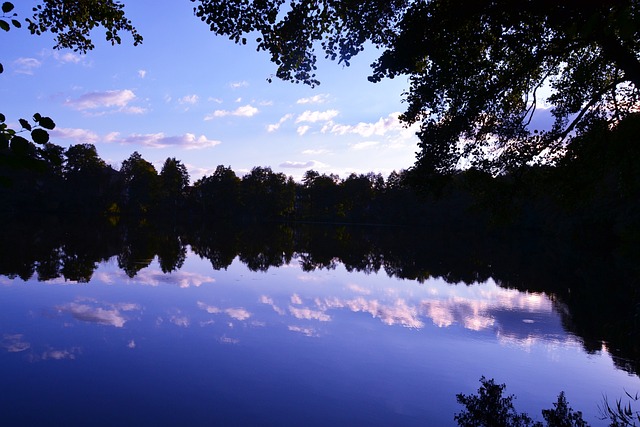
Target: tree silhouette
141, 184
476, 68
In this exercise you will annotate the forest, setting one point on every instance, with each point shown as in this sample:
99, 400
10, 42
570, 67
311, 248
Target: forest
594, 188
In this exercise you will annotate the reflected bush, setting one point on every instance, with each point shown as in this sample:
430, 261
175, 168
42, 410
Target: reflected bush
490, 408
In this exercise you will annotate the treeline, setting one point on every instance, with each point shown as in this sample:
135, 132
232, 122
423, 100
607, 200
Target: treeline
595, 186
51, 179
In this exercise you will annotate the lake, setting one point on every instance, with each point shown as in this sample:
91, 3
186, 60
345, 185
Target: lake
288, 326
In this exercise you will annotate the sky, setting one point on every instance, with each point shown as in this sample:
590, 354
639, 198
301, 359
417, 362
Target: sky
189, 94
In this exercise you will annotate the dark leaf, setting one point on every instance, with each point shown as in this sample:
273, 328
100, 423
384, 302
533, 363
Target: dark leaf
40, 136
7, 7
2, 118
4, 25
16, 23
1, 69
46, 122
25, 124
19, 144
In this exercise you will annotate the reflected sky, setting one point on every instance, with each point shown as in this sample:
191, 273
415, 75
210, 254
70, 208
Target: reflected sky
283, 347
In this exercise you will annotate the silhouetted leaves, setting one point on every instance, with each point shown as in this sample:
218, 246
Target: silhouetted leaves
476, 69
40, 136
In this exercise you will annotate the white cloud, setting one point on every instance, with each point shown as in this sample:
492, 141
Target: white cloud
316, 99
244, 111
110, 98
78, 135
142, 73
237, 85
187, 141
380, 128
133, 110
26, 65
364, 145
315, 151
295, 299
216, 100
302, 130
274, 127
316, 116
189, 99
298, 165
67, 57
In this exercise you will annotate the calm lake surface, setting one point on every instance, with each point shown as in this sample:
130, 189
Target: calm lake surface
253, 342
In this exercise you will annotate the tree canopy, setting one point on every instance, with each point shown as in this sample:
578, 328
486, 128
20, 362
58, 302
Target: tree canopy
477, 69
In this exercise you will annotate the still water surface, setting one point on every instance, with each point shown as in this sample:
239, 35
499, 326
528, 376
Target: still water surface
285, 346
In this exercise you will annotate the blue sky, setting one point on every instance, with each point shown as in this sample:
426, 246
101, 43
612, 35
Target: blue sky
189, 94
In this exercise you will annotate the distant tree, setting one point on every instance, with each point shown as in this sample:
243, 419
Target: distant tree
358, 196
321, 197
174, 180
218, 195
141, 182
267, 194
82, 160
476, 68
91, 184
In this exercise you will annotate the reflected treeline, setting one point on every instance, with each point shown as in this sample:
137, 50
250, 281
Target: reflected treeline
593, 281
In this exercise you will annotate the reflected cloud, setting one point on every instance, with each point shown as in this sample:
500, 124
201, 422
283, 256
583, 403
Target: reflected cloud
226, 340
182, 321
235, 313
267, 300
155, 277
60, 354
14, 343
398, 313
309, 314
358, 289
310, 332
90, 311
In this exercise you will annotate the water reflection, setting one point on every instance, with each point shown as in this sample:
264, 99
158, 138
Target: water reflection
308, 343
593, 284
